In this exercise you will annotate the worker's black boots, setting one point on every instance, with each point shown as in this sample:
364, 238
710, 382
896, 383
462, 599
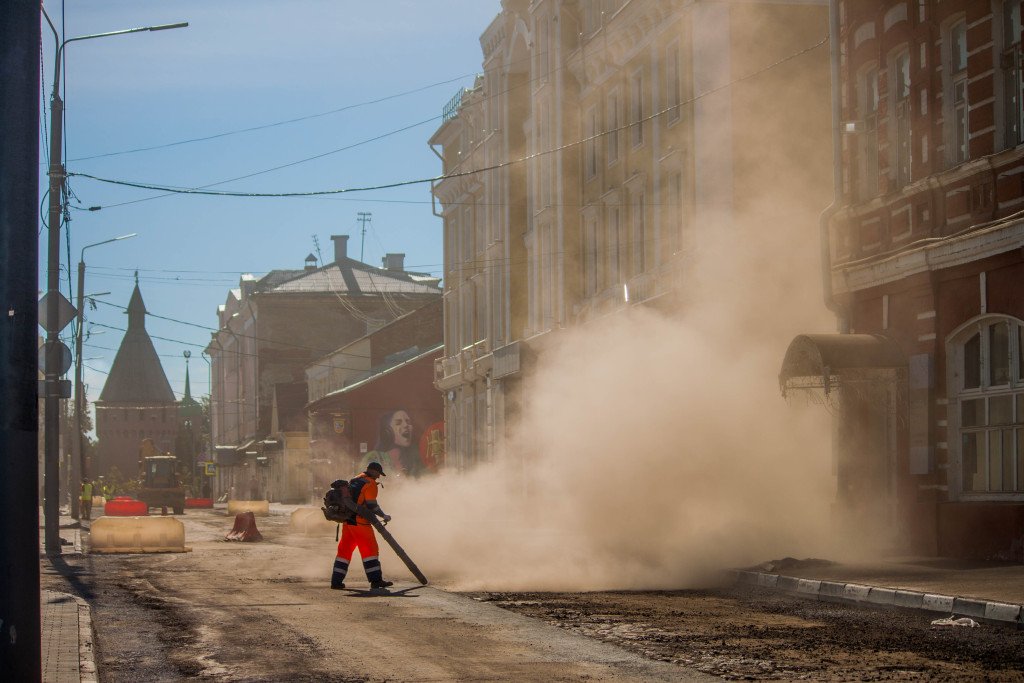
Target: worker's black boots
381, 584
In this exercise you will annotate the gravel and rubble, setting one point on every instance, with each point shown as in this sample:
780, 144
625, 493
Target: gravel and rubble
744, 634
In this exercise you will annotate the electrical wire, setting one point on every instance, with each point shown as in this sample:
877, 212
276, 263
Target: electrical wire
448, 176
284, 122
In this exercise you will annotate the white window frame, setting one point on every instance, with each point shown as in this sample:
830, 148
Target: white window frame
899, 126
636, 107
867, 94
613, 242
1007, 30
955, 100
613, 121
590, 124
981, 397
673, 82
591, 259
642, 250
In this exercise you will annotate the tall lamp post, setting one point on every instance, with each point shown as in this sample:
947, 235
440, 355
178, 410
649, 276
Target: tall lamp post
51, 424
79, 464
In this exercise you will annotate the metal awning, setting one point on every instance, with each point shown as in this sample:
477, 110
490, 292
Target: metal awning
819, 360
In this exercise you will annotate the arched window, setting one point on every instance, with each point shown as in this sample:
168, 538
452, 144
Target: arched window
986, 405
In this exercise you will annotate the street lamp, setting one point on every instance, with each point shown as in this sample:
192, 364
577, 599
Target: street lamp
51, 425
76, 443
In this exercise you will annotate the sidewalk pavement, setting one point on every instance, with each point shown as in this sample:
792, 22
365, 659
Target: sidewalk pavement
67, 643
67, 635
981, 590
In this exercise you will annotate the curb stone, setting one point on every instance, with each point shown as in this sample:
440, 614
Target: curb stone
831, 591
86, 657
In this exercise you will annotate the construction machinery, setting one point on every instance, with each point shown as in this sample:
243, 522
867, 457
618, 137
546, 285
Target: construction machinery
160, 486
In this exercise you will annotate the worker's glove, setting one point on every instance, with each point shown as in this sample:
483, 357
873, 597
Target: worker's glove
386, 518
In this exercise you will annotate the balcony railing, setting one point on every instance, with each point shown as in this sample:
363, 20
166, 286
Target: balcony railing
452, 108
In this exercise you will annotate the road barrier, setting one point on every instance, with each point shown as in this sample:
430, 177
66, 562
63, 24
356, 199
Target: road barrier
137, 535
123, 506
311, 522
244, 529
199, 503
260, 508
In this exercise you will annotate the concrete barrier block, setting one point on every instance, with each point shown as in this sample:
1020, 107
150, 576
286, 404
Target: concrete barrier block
1001, 611
832, 591
137, 535
768, 580
909, 599
741, 577
789, 584
260, 508
808, 588
938, 603
969, 608
854, 592
882, 596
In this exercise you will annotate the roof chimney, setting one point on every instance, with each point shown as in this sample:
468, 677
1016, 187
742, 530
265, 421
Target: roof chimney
310, 262
394, 262
340, 247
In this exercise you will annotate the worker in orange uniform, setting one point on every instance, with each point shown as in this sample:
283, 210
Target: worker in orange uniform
356, 531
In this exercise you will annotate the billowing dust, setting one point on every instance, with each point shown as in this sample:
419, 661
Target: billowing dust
653, 447
653, 450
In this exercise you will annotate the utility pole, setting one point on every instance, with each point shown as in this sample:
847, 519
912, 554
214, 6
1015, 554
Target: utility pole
20, 39
79, 465
51, 424
363, 217
51, 405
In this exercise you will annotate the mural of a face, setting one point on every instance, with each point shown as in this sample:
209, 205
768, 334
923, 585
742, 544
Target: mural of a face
401, 427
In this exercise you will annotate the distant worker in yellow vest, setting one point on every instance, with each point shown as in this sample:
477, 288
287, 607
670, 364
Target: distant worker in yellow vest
86, 499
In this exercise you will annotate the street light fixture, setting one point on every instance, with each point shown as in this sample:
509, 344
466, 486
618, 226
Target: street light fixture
51, 425
78, 465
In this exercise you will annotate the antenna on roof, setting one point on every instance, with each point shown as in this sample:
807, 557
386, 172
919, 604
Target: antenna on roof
363, 217
316, 245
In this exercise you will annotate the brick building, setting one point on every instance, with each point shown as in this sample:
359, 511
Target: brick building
136, 402
359, 387
924, 251
270, 329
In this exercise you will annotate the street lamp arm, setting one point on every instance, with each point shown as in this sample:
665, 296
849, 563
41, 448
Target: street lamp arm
81, 258
60, 45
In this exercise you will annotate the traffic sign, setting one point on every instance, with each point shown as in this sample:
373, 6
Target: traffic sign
65, 311
64, 356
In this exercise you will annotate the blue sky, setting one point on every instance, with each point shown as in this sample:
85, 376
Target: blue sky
241, 65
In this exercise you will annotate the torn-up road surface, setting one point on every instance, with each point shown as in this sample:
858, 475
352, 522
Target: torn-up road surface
264, 612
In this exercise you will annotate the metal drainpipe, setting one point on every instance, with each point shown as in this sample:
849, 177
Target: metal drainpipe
837, 172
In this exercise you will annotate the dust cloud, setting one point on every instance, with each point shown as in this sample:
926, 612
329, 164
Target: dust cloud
653, 449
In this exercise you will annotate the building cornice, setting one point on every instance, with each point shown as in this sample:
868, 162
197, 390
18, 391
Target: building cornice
929, 255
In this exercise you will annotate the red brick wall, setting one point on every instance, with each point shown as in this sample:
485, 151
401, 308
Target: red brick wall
955, 197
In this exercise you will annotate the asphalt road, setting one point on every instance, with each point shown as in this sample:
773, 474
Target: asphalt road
264, 612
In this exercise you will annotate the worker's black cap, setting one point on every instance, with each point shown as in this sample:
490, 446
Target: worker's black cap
376, 466
338, 483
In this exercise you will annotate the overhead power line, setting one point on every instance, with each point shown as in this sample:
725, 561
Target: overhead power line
169, 189
275, 124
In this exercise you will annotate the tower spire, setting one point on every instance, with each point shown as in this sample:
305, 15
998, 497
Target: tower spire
188, 391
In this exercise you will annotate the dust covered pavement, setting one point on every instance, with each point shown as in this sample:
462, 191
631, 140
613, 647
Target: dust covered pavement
263, 612
746, 634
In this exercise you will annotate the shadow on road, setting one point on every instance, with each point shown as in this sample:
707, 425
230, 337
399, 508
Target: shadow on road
72, 575
382, 593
